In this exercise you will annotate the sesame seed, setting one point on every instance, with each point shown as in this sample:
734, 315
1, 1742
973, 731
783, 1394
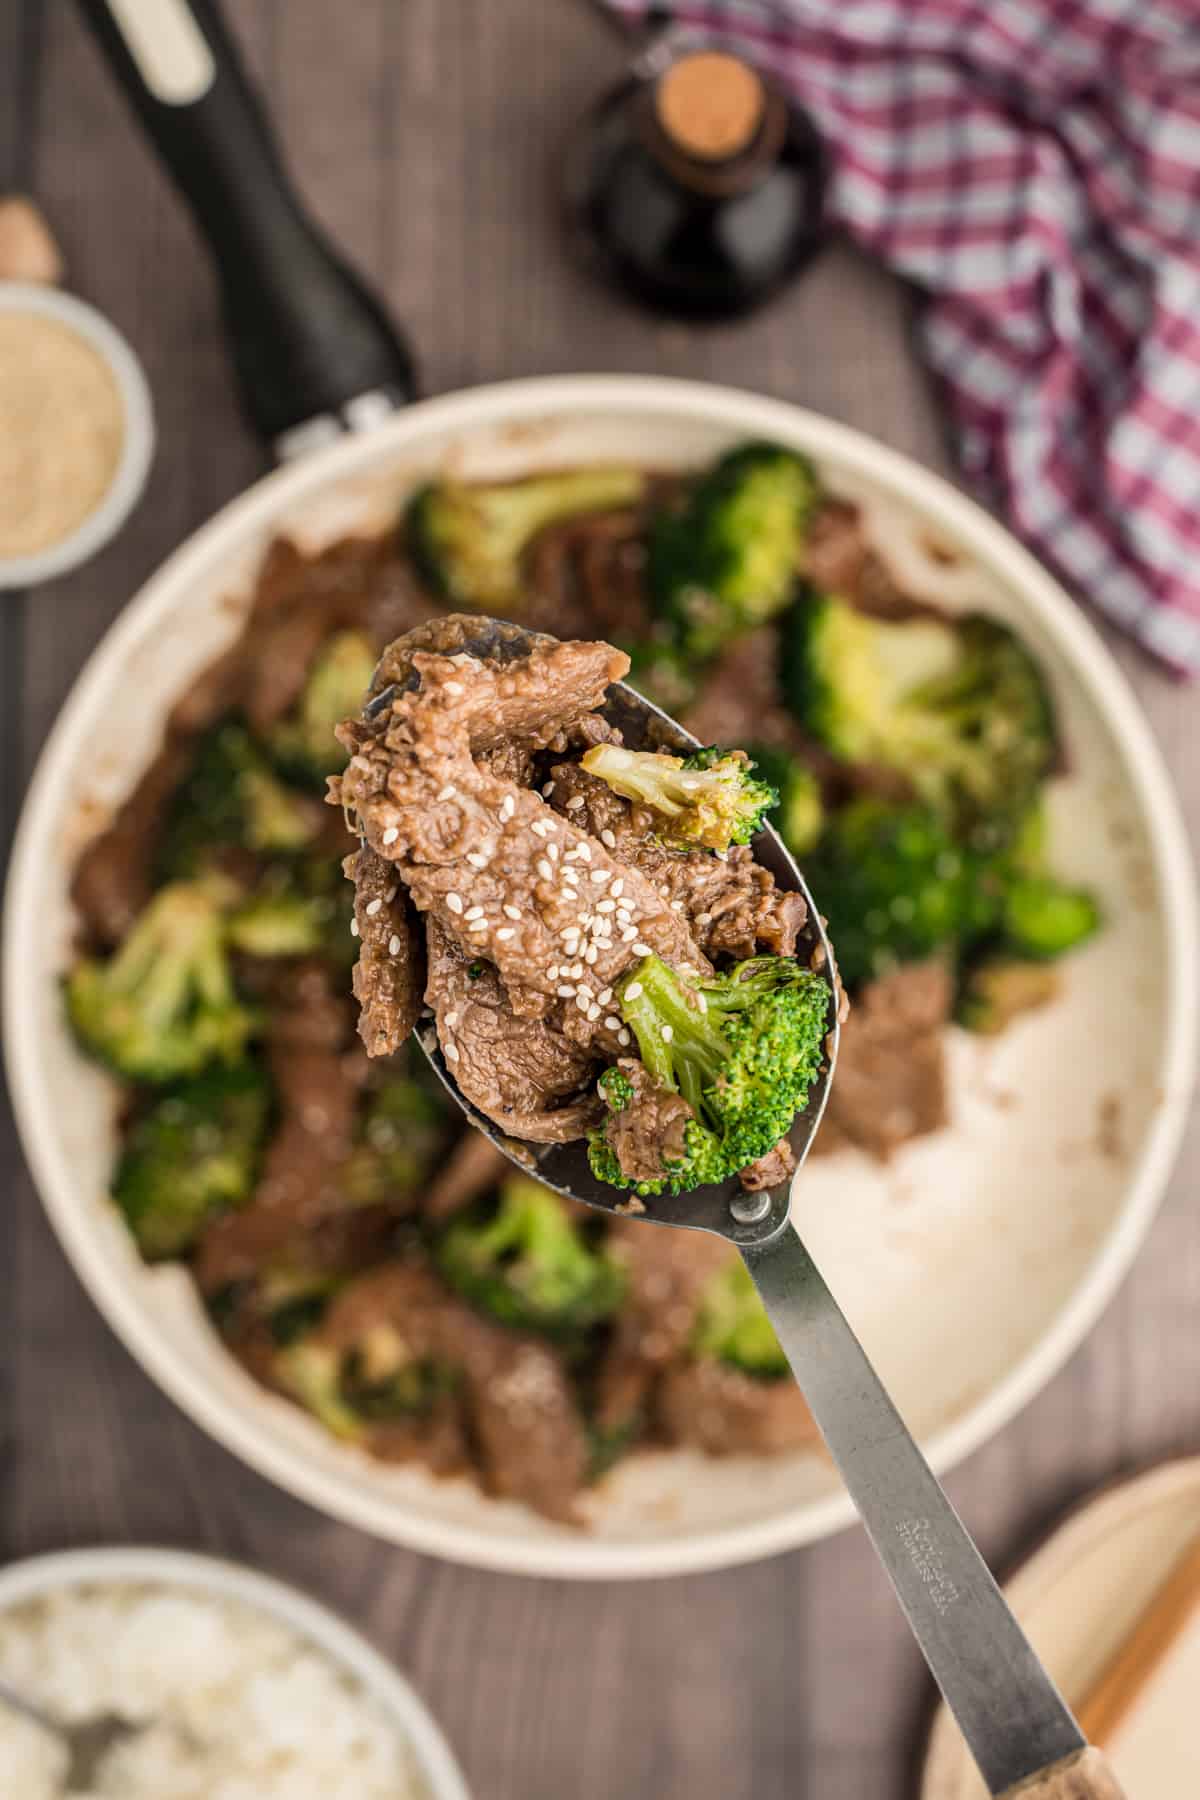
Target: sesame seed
576, 971
585, 853
582, 1001
677, 906
448, 792
668, 1032
454, 687
624, 916
473, 912
613, 1023
664, 890
591, 954
508, 807
394, 945
600, 876
609, 838
606, 906
721, 855
476, 861
540, 828
569, 931
454, 902
452, 1019
373, 907
510, 911
354, 928
618, 887
544, 869
450, 1052
575, 802
552, 852
704, 918
593, 1013
552, 972
390, 835
566, 991
629, 933
505, 932
604, 996
571, 875
390, 895
622, 1036
547, 788
479, 928
633, 990
642, 950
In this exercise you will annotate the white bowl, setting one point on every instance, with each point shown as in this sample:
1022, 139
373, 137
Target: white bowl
432, 1760
137, 445
972, 1266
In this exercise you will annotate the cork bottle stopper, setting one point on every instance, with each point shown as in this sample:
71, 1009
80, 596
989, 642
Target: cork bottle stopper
710, 105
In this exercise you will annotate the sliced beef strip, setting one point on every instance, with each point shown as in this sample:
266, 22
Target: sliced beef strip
473, 1166
769, 1170
113, 878
525, 1075
521, 1411
732, 904
740, 701
390, 971
890, 1084
651, 1130
666, 1272
477, 851
724, 1412
840, 559
587, 575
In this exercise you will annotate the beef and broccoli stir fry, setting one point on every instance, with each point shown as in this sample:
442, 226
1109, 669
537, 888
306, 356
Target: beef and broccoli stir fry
359, 1249
576, 993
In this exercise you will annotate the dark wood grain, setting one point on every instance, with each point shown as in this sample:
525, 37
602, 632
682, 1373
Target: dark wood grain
425, 136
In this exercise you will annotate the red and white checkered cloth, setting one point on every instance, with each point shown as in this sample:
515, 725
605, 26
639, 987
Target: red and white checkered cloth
1034, 166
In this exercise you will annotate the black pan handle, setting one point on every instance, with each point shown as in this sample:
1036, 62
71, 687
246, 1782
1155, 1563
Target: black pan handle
314, 351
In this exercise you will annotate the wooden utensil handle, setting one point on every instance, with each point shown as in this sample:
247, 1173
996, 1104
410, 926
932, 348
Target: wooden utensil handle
1083, 1777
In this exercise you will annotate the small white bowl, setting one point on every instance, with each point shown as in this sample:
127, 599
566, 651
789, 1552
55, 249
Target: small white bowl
137, 447
431, 1756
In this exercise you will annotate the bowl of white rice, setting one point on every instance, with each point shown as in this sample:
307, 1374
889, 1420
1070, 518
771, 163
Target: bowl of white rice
237, 1687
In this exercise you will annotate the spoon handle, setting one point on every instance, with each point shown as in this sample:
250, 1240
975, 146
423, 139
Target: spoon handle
1015, 1722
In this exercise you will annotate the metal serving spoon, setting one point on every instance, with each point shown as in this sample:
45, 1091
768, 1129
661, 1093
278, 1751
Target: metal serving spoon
1016, 1724
86, 1744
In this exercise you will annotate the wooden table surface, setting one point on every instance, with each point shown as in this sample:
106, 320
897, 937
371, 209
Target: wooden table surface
425, 135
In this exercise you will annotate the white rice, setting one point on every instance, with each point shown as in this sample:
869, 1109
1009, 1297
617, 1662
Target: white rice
230, 1704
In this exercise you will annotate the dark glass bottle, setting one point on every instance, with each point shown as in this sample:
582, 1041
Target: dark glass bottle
698, 187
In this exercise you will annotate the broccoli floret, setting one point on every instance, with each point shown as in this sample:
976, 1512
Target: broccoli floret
374, 1382
191, 1154
895, 887
997, 992
231, 799
403, 1128
956, 706
706, 801
732, 1327
530, 1263
800, 813
274, 924
728, 560
743, 1048
468, 541
164, 1005
303, 744
1041, 918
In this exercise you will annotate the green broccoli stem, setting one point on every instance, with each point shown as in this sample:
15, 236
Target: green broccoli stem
678, 1034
